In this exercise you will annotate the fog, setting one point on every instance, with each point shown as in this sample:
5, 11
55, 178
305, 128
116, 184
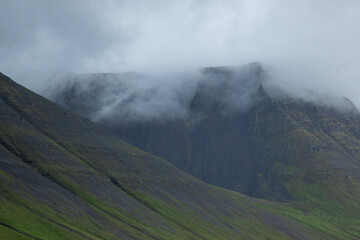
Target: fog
130, 96
307, 47
126, 96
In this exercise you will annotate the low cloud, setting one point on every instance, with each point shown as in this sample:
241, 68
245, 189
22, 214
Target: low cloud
129, 97
307, 46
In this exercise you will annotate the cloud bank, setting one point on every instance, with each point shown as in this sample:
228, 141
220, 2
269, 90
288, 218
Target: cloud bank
132, 97
306, 44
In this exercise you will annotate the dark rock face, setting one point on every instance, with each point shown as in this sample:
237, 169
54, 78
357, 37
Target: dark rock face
212, 149
238, 137
211, 143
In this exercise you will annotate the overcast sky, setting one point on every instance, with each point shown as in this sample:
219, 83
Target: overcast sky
312, 43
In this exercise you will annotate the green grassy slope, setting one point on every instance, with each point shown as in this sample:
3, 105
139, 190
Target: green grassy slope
62, 177
314, 153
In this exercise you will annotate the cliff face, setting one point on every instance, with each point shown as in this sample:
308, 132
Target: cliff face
255, 152
262, 147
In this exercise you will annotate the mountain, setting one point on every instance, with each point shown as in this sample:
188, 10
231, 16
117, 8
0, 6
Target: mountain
63, 177
226, 143
278, 147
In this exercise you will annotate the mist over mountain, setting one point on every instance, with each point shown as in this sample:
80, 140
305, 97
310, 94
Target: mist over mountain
132, 97
140, 97
210, 124
307, 44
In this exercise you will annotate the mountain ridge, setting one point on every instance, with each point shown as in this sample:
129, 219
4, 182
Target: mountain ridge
54, 185
66, 178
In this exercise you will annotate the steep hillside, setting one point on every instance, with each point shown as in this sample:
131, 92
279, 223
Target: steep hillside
63, 177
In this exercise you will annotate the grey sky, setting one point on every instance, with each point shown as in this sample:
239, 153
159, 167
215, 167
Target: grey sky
312, 44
